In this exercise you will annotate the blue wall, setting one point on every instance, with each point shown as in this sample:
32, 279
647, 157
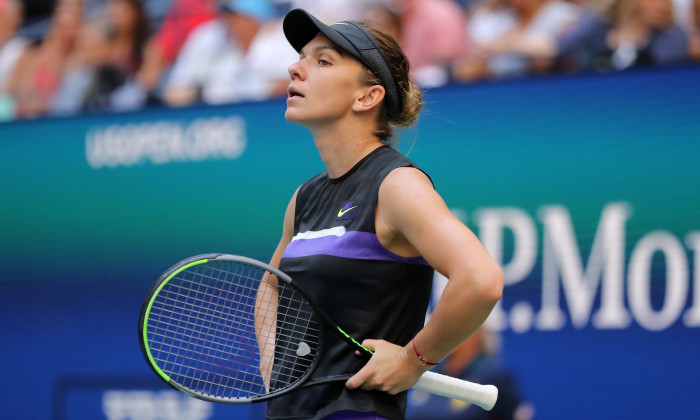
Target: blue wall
584, 187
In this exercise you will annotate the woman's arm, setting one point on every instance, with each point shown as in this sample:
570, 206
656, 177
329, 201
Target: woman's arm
412, 219
266, 300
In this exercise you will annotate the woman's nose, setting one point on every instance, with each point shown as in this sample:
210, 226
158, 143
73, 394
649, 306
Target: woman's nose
296, 70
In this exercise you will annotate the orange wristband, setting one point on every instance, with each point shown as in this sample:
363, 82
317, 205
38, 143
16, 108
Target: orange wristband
420, 357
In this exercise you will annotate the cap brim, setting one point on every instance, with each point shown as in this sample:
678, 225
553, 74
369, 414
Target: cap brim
300, 28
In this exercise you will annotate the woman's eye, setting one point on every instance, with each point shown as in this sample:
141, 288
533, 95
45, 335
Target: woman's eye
323, 62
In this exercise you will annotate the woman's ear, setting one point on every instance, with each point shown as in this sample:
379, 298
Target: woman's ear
371, 97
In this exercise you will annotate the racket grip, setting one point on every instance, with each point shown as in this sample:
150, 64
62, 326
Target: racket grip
482, 395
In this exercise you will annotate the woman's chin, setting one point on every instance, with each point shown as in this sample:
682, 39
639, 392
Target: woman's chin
292, 116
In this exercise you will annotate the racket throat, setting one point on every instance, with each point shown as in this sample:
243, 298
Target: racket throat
362, 349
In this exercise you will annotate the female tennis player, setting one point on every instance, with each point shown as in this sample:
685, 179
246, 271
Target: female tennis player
364, 237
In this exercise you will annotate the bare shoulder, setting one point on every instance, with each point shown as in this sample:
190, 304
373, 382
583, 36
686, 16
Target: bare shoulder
404, 201
406, 180
410, 189
408, 200
289, 214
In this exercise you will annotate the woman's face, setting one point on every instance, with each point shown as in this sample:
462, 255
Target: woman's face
325, 83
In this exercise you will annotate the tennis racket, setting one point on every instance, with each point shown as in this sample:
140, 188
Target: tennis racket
230, 329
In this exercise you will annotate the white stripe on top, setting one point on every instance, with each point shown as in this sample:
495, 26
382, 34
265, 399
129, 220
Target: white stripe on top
335, 231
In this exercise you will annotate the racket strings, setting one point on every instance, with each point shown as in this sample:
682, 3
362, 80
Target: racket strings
205, 368
200, 366
218, 309
189, 333
293, 313
222, 327
219, 330
195, 343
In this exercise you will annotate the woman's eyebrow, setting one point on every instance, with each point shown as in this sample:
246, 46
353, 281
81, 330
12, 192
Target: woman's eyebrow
320, 47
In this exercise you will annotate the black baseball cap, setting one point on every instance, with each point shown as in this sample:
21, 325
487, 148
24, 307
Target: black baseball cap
300, 28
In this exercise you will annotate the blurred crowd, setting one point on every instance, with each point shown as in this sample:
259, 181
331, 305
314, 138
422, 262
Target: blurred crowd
119, 55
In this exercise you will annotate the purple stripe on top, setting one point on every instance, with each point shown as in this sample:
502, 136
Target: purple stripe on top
352, 244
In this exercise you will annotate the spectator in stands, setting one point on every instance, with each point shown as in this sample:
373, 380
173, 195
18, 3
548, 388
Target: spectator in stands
127, 30
89, 54
487, 20
433, 36
512, 20
11, 44
388, 17
332, 10
611, 35
161, 51
240, 56
38, 72
692, 29
474, 360
107, 57
12, 47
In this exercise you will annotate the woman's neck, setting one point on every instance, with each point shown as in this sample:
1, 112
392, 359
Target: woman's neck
340, 150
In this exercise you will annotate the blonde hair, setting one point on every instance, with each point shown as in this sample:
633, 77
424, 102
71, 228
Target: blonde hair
411, 97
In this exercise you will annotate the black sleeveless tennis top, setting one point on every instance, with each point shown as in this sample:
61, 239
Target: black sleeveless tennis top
367, 290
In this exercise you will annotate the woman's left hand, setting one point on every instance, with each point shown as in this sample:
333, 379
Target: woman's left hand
391, 369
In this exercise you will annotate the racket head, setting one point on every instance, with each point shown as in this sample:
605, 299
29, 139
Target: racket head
197, 330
